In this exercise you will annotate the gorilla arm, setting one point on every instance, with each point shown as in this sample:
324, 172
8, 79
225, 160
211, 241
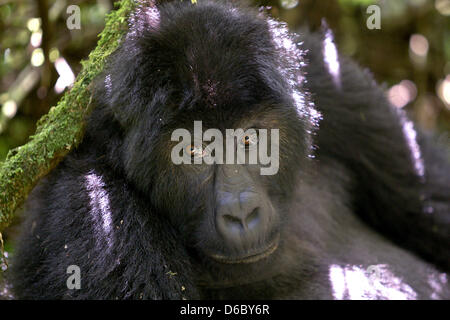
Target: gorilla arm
402, 179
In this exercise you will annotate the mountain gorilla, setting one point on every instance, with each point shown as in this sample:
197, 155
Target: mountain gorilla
354, 195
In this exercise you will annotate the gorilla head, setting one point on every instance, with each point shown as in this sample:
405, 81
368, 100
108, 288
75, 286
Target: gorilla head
227, 69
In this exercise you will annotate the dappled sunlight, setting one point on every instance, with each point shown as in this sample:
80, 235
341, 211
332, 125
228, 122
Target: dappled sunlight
375, 282
144, 17
418, 49
330, 55
443, 90
100, 208
411, 138
291, 67
437, 283
108, 85
403, 93
66, 75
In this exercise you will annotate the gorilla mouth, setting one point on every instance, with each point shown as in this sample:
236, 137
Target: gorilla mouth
249, 258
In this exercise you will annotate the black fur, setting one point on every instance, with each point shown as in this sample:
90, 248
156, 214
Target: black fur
221, 65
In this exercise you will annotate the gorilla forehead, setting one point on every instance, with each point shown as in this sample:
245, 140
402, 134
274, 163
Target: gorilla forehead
213, 57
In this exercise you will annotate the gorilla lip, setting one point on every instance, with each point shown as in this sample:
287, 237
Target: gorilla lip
251, 258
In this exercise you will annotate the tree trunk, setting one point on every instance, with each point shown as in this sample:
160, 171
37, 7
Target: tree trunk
62, 129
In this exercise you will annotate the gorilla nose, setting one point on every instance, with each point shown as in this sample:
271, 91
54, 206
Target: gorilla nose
242, 222
240, 218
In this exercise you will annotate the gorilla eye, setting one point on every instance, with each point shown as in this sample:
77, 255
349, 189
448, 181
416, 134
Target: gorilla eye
249, 140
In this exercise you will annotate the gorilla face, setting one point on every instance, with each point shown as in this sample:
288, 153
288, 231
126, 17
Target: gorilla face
229, 214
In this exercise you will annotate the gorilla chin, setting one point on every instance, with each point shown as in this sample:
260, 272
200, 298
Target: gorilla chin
221, 271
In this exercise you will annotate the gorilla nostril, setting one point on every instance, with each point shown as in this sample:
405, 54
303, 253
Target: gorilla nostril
239, 225
233, 223
253, 219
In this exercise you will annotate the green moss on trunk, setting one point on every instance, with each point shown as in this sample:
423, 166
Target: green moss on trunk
62, 128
